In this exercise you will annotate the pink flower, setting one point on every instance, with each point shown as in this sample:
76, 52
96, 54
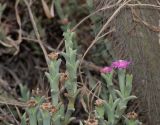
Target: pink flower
120, 64
106, 69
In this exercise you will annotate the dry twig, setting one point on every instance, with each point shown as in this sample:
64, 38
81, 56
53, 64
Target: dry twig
36, 30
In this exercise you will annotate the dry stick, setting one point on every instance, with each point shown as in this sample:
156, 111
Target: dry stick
136, 18
15, 43
30, 39
87, 17
105, 34
103, 28
12, 114
98, 35
93, 93
144, 5
82, 59
158, 2
90, 92
59, 45
96, 91
5, 44
19, 22
91, 66
36, 31
18, 112
13, 102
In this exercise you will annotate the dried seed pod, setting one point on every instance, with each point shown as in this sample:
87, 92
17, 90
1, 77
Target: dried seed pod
31, 103
99, 102
46, 106
53, 110
64, 77
66, 94
91, 122
53, 55
132, 115
37, 92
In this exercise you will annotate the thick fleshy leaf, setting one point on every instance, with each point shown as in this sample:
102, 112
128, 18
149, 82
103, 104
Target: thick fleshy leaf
100, 110
128, 87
